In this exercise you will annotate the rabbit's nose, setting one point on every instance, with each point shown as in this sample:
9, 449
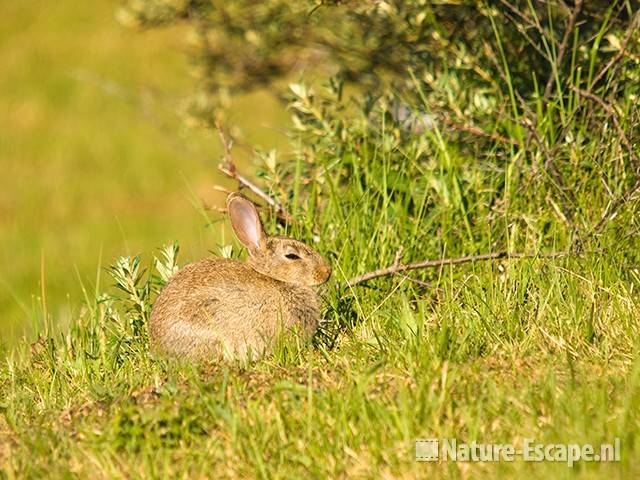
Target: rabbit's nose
324, 273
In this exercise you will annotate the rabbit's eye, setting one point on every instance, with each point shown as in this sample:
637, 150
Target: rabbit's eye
292, 256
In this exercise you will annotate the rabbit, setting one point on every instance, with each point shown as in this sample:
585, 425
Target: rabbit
229, 309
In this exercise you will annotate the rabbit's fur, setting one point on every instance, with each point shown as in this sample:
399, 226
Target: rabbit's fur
232, 309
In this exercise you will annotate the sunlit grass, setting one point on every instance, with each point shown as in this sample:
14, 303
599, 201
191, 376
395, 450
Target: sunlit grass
96, 161
493, 352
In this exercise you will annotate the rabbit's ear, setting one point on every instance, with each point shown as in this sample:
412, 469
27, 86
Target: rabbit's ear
246, 222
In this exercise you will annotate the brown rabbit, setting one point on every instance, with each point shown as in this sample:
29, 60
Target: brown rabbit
223, 307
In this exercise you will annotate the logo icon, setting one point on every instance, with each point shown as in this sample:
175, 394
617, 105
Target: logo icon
427, 450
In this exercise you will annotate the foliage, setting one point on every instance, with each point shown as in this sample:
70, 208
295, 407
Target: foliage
542, 91
138, 285
478, 49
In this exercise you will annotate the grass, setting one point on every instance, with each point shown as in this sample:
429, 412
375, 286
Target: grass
493, 352
543, 350
96, 162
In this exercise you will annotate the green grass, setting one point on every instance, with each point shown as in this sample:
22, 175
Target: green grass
493, 352
96, 162
544, 350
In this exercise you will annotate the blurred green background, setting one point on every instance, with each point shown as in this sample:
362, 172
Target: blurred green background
97, 161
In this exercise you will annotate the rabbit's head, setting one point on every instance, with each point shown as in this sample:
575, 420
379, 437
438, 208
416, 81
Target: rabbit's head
284, 259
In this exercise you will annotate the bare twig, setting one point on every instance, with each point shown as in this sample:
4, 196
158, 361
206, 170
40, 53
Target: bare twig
474, 130
633, 28
533, 23
522, 29
229, 168
571, 23
399, 268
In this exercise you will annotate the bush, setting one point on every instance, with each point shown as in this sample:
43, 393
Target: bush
474, 103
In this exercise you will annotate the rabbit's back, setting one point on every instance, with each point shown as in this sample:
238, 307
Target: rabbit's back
223, 307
